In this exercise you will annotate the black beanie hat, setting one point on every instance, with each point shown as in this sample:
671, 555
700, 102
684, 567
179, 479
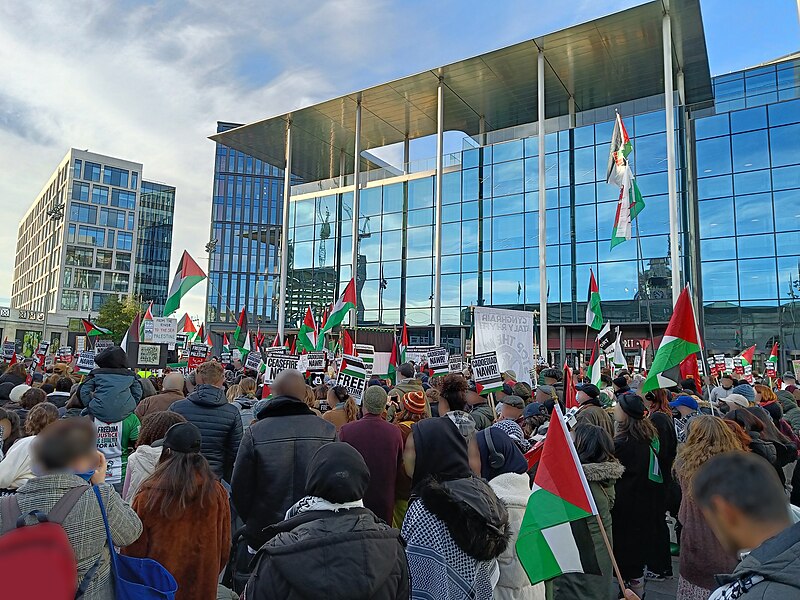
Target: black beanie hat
620, 382
337, 473
632, 405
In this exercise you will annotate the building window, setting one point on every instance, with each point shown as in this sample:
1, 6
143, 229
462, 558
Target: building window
124, 241
115, 176
80, 257
116, 282
131, 221
104, 259
123, 261
71, 234
123, 199
76, 169
82, 213
110, 243
91, 236
85, 301
99, 195
69, 300
134, 180
99, 299
112, 218
80, 191
91, 172
87, 280
67, 277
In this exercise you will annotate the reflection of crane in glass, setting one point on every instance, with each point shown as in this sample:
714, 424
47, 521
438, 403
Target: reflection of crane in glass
361, 270
324, 234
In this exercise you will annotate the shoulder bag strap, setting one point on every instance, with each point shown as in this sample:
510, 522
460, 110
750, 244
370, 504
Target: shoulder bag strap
111, 550
10, 512
67, 502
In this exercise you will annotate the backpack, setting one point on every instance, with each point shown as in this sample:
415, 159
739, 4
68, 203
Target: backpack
24, 549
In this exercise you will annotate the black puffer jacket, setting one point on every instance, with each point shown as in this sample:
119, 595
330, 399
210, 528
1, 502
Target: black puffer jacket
270, 472
349, 555
219, 424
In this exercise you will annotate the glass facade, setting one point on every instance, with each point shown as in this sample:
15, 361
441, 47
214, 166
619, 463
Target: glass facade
748, 191
153, 245
245, 232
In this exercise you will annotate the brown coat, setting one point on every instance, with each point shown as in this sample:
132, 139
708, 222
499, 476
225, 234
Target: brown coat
194, 546
157, 403
336, 416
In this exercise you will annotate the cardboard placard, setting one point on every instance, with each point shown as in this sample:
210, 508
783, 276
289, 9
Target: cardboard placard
738, 365
80, 344
161, 330
417, 354
101, 345
86, 361
65, 354
225, 357
353, 377
456, 363
253, 361
637, 361
43, 347
486, 371
366, 353
438, 361
181, 340
198, 353
9, 348
728, 364
317, 362
148, 355
275, 363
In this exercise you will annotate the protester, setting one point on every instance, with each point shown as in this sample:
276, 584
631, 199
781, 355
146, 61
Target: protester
406, 382
659, 558
687, 409
734, 401
785, 449
534, 419
15, 374
381, 445
246, 400
620, 383
546, 396
30, 398
788, 379
515, 432
17, 466
412, 411
274, 456
9, 422
754, 428
701, 555
65, 457
432, 397
639, 492
219, 422
455, 527
62, 392
553, 378
511, 408
595, 450
171, 392
591, 410
321, 397
480, 411
111, 391
347, 551
791, 413
143, 461
505, 468
343, 408
746, 390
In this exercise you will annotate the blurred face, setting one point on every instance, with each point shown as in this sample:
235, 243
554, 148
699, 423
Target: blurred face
726, 383
583, 397
332, 400
758, 396
509, 412
619, 414
541, 397
726, 522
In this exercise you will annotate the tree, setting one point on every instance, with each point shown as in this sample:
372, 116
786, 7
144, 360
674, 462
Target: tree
117, 315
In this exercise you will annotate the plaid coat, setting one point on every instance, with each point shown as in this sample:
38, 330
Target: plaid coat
84, 525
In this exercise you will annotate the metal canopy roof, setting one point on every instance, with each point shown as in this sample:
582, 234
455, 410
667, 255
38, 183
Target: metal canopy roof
600, 63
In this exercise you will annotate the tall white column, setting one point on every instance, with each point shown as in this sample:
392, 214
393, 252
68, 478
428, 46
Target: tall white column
542, 214
437, 235
669, 108
287, 191
356, 205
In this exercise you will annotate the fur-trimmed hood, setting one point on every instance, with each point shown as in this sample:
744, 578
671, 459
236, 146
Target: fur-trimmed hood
605, 471
475, 517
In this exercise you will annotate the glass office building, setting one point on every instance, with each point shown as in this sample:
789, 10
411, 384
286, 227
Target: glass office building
154, 244
245, 228
736, 176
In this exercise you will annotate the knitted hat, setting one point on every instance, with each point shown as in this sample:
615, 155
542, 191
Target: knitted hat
746, 390
414, 402
374, 400
337, 473
632, 405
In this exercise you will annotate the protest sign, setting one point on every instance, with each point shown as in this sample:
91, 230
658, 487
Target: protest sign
796, 367
438, 361
508, 333
86, 361
366, 353
275, 363
101, 345
712, 366
253, 362
225, 357
353, 376
316, 362
80, 344
109, 442
486, 371
65, 354
198, 353
456, 363
738, 365
417, 354
149, 355
44, 345
637, 361
728, 364
181, 340
161, 330
9, 348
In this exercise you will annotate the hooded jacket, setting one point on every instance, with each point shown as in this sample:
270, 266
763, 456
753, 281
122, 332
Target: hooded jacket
158, 402
770, 572
790, 410
219, 424
111, 391
270, 471
141, 464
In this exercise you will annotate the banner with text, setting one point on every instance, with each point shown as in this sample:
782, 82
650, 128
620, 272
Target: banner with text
353, 376
198, 353
509, 333
275, 363
486, 372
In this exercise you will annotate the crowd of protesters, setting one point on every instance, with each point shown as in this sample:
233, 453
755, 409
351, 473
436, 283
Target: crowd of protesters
418, 490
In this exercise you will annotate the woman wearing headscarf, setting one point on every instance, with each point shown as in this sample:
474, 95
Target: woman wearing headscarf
505, 468
595, 450
455, 527
348, 553
640, 490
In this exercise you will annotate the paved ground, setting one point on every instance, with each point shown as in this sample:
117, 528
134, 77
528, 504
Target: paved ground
660, 590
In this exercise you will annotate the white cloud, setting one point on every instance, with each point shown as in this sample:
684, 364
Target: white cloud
147, 81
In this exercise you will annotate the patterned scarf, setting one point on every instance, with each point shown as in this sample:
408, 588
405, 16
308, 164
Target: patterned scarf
736, 589
309, 503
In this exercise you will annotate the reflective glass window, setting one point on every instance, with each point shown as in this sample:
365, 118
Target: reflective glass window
785, 178
69, 300
80, 191
104, 259
123, 262
784, 113
86, 279
134, 180
507, 259
370, 201
584, 165
618, 279
714, 187
757, 279
752, 182
420, 242
720, 283
787, 243
785, 145
713, 157
91, 171
451, 188
123, 199
508, 178
712, 126
82, 213
750, 151
469, 236
420, 217
748, 120
124, 241
508, 287
420, 193
586, 223
652, 122
754, 214
76, 168
393, 198
91, 236
650, 154
115, 176
508, 205
507, 151
99, 194
787, 210
718, 249
756, 246
716, 218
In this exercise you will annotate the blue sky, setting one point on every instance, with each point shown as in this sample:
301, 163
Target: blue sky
148, 80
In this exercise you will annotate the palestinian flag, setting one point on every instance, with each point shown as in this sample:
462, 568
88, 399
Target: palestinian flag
148, 316
600, 344
394, 361
554, 537
188, 275
226, 346
618, 153
185, 325
93, 330
343, 305
679, 341
747, 355
293, 349
200, 336
594, 316
347, 344
307, 334
241, 335
276, 343
132, 335
403, 344
629, 205
771, 366
209, 342
570, 391
690, 369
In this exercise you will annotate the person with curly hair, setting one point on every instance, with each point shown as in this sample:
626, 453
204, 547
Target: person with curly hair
17, 467
702, 556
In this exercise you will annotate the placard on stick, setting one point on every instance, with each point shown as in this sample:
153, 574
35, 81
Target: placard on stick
198, 353
353, 376
486, 371
275, 363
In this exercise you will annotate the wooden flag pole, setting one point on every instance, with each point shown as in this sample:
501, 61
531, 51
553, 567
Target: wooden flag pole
620, 580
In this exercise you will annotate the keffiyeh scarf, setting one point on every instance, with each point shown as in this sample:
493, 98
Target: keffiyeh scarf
309, 503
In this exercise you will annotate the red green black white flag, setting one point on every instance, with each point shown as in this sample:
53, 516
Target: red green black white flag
188, 275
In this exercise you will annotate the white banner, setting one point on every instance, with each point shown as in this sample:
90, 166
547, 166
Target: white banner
510, 334
162, 331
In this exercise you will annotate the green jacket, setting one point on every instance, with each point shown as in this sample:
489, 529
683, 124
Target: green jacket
482, 413
790, 410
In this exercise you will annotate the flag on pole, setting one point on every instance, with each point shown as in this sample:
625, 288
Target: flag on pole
200, 336
343, 305
771, 366
747, 355
600, 343
307, 334
132, 335
570, 391
554, 537
679, 341
629, 205
185, 325
276, 343
209, 341
620, 148
241, 334
594, 316
93, 330
188, 275
226, 347
347, 344
148, 316
690, 370
619, 356
394, 361
403, 344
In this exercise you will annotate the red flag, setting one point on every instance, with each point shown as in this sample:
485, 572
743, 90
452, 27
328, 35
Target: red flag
277, 341
13, 360
294, 345
690, 369
570, 393
347, 344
